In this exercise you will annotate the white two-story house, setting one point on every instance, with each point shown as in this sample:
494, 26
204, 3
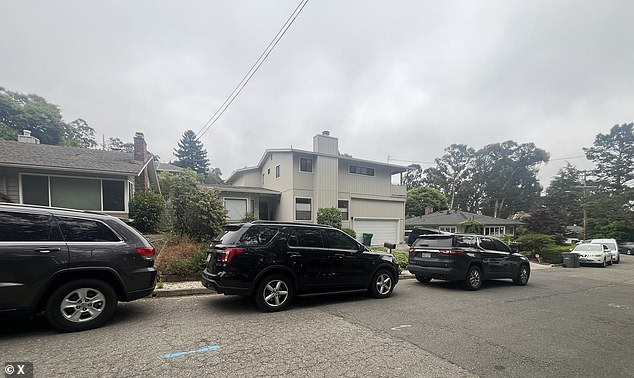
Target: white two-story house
291, 185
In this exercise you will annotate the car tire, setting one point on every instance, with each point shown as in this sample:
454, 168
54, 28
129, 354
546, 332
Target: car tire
523, 274
618, 259
80, 305
423, 279
610, 262
605, 263
382, 284
473, 281
628, 252
274, 293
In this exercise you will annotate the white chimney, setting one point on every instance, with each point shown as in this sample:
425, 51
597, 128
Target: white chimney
27, 138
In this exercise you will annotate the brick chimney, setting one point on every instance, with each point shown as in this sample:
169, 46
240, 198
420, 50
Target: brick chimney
140, 147
140, 155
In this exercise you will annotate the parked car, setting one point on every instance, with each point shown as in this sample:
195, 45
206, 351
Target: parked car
418, 231
467, 258
613, 246
73, 265
593, 253
626, 247
275, 261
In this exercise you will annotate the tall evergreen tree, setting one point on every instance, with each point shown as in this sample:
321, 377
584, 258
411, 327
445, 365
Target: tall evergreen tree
191, 153
565, 194
613, 155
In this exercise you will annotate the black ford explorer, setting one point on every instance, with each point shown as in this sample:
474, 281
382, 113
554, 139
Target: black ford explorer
275, 261
467, 258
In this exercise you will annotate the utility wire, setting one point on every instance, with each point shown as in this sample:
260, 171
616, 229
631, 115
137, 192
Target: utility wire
245, 80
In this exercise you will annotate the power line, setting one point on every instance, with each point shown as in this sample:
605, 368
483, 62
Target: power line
568, 158
254, 68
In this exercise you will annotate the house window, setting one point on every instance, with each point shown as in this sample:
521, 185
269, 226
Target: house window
277, 171
359, 170
73, 192
236, 208
303, 209
447, 228
268, 171
305, 165
494, 230
343, 206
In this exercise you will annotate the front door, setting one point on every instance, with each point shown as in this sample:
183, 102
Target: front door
264, 210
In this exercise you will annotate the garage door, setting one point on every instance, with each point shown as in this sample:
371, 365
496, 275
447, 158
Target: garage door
384, 230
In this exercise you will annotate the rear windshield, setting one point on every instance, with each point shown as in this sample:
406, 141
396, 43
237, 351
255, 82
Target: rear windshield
232, 234
434, 242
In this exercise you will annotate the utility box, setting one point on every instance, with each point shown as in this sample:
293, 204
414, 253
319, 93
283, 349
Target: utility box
367, 239
571, 260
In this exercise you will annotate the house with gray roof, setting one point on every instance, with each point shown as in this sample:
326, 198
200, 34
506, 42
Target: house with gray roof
290, 184
76, 178
457, 221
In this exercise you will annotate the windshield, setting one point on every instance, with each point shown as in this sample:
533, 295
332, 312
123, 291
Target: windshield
589, 248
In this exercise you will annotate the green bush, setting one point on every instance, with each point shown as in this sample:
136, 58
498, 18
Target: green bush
402, 259
530, 244
350, 232
551, 256
330, 216
146, 211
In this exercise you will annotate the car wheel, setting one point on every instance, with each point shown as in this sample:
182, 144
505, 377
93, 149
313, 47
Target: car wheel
605, 263
382, 284
274, 293
629, 252
80, 305
618, 259
610, 262
474, 278
423, 279
522, 276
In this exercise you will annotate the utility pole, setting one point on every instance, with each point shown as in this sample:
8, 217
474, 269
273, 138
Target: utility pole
584, 197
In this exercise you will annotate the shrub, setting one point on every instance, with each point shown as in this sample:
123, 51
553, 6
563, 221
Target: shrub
146, 211
535, 243
183, 257
402, 259
350, 232
330, 216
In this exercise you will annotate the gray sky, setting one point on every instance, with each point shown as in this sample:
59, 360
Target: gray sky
398, 78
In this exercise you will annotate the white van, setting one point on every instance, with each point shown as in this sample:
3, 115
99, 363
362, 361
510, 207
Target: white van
614, 248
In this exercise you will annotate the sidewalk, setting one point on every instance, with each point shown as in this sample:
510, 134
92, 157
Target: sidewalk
185, 288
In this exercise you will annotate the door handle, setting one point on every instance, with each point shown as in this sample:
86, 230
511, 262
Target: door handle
47, 250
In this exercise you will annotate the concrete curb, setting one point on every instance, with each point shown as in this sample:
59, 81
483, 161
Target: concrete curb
166, 293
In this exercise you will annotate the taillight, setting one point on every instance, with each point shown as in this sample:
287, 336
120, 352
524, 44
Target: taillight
146, 251
451, 251
227, 254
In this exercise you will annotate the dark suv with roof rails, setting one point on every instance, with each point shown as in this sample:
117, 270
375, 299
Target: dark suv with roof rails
467, 258
74, 265
275, 261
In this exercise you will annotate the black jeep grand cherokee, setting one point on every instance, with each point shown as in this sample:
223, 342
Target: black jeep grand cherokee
467, 258
274, 261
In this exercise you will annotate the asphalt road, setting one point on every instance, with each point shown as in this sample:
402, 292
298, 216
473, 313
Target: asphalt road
565, 323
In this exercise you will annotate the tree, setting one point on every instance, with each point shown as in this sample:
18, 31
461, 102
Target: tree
194, 210
545, 221
564, 194
451, 172
508, 174
613, 155
413, 176
81, 134
330, 216
191, 154
146, 210
118, 144
610, 214
422, 197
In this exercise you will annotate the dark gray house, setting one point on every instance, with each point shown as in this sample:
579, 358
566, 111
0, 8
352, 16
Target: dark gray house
456, 220
77, 178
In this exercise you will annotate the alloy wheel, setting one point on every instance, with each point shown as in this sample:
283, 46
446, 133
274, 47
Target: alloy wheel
82, 305
275, 293
383, 283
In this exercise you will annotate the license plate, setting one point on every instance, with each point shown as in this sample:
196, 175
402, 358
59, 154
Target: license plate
425, 255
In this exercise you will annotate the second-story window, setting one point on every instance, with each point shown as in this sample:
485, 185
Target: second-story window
305, 165
277, 171
359, 170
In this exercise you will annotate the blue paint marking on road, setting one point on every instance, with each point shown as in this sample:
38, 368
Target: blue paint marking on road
205, 349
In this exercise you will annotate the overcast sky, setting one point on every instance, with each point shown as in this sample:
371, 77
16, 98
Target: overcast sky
398, 78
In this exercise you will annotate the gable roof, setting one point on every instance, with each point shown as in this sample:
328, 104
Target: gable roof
50, 157
455, 217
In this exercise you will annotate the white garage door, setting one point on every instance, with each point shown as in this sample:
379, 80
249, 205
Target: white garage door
383, 230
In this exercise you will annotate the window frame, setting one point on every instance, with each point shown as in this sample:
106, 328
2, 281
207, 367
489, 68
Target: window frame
295, 208
277, 171
359, 172
308, 160
127, 194
246, 206
347, 212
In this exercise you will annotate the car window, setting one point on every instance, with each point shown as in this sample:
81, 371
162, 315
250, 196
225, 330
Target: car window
589, 247
466, 241
85, 230
258, 235
27, 227
434, 242
500, 246
339, 240
310, 238
488, 244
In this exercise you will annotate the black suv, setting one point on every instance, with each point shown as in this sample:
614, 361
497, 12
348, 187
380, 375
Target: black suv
274, 261
467, 258
73, 265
